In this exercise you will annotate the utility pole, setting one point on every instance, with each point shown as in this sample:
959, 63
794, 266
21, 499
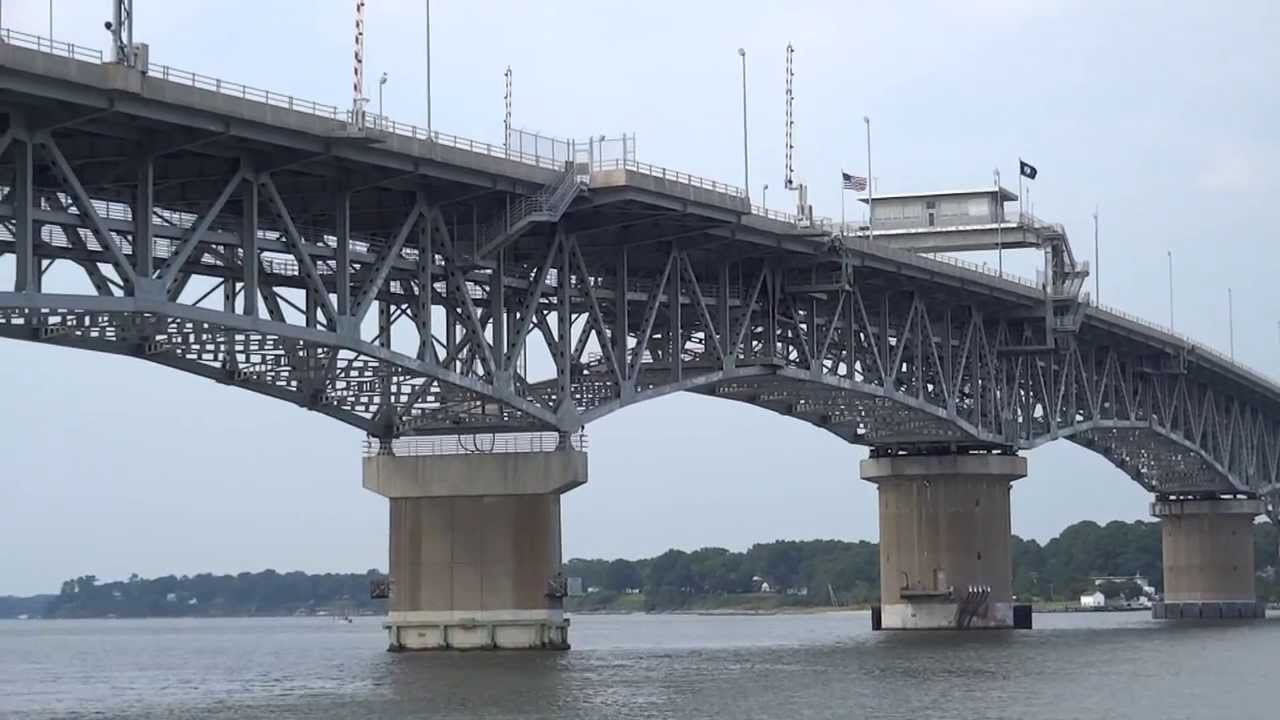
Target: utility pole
871, 214
381, 81
428, 68
1170, 253
1231, 323
746, 172
999, 223
1097, 269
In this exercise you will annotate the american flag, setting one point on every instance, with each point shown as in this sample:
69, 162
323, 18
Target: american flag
853, 182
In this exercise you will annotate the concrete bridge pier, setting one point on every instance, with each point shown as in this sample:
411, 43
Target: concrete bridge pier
1207, 558
475, 548
944, 539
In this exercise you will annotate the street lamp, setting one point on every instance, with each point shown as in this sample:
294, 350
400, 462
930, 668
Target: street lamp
746, 173
1170, 253
1231, 323
381, 81
428, 68
764, 197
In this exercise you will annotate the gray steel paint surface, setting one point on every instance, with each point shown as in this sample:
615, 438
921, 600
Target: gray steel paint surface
408, 285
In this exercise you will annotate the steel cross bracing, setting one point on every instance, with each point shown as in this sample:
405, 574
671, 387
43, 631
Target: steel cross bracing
406, 291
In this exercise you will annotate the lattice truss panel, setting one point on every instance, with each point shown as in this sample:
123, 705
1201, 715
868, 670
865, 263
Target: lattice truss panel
374, 302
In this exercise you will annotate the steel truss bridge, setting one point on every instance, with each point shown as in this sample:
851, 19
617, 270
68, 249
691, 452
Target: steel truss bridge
412, 283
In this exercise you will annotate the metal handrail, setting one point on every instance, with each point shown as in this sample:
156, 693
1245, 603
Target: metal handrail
49, 45
475, 444
1188, 341
669, 174
778, 215
244, 92
551, 162
871, 246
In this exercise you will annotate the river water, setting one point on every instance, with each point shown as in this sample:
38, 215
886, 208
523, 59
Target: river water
1112, 665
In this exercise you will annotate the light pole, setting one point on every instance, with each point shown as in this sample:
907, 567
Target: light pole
1097, 269
764, 197
871, 185
381, 81
1231, 323
1170, 253
428, 68
746, 171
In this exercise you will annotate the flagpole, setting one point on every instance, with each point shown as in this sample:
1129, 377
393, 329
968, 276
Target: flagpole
1020, 193
871, 214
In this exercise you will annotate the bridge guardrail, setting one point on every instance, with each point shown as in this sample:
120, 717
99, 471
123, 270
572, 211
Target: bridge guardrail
1189, 342
49, 45
245, 92
551, 162
778, 215
475, 444
668, 174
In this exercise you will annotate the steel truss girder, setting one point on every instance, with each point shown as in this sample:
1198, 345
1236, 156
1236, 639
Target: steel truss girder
876, 353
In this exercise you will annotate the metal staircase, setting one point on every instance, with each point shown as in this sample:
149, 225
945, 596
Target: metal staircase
547, 206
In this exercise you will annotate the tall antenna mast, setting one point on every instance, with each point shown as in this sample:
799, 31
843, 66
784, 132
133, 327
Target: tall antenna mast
788, 182
357, 80
506, 121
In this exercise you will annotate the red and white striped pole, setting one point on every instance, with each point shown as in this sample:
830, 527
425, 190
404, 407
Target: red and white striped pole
357, 80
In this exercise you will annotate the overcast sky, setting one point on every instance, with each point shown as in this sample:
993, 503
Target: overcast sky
1164, 115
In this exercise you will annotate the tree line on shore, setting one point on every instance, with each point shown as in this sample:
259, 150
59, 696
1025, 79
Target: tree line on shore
825, 572
792, 572
261, 593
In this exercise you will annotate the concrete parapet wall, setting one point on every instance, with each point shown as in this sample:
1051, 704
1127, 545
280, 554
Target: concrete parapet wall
475, 475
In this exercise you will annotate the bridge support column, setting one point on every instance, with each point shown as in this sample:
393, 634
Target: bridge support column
475, 548
944, 540
1208, 559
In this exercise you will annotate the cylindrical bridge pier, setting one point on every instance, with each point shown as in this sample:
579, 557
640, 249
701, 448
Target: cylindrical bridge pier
475, 547
1207, 559
944, 539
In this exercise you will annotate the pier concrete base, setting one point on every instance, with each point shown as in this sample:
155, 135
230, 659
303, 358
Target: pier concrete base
1207, 559
944, 540
475, 548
